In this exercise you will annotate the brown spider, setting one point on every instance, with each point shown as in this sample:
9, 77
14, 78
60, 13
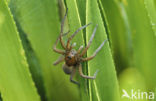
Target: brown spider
72, 57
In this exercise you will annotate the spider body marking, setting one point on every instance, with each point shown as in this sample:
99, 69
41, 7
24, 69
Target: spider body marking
73, 58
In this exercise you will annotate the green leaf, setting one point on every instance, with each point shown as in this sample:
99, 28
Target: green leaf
81, 5
75, 23
15, 79
105, 86
33, 63
150, 7
118, 31
0, 97
144, 40
40, 21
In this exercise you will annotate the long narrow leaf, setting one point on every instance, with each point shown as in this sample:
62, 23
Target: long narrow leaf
33, 63
150, 7
119, 32
15, 79
40, 21
105, 86
144, 39
75, 23
81, 4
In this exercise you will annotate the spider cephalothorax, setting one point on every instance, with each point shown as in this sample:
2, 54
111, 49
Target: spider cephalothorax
72, 57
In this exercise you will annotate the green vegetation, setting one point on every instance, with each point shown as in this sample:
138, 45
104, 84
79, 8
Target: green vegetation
29, 29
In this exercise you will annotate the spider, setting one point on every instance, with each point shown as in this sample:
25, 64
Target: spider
73, 58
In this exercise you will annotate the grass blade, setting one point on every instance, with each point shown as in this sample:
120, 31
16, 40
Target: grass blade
81, 5
119, 32
144, 40
75, 23
105, 86
40, 21
16, 82
150, 7
33, 63
0, 97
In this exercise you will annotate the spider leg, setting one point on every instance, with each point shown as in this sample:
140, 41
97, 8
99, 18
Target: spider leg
94, 54
85, 76
79, 50
58, 50
65, 33
72, 75
59, 60
60, 37
90, 41
70, 38
62, 26
73, 45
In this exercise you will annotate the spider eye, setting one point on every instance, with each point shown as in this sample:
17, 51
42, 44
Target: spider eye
69, 57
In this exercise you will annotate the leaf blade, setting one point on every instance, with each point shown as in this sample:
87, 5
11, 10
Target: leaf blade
119, 33
37, 20
144, 39
16, 82
99, 90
